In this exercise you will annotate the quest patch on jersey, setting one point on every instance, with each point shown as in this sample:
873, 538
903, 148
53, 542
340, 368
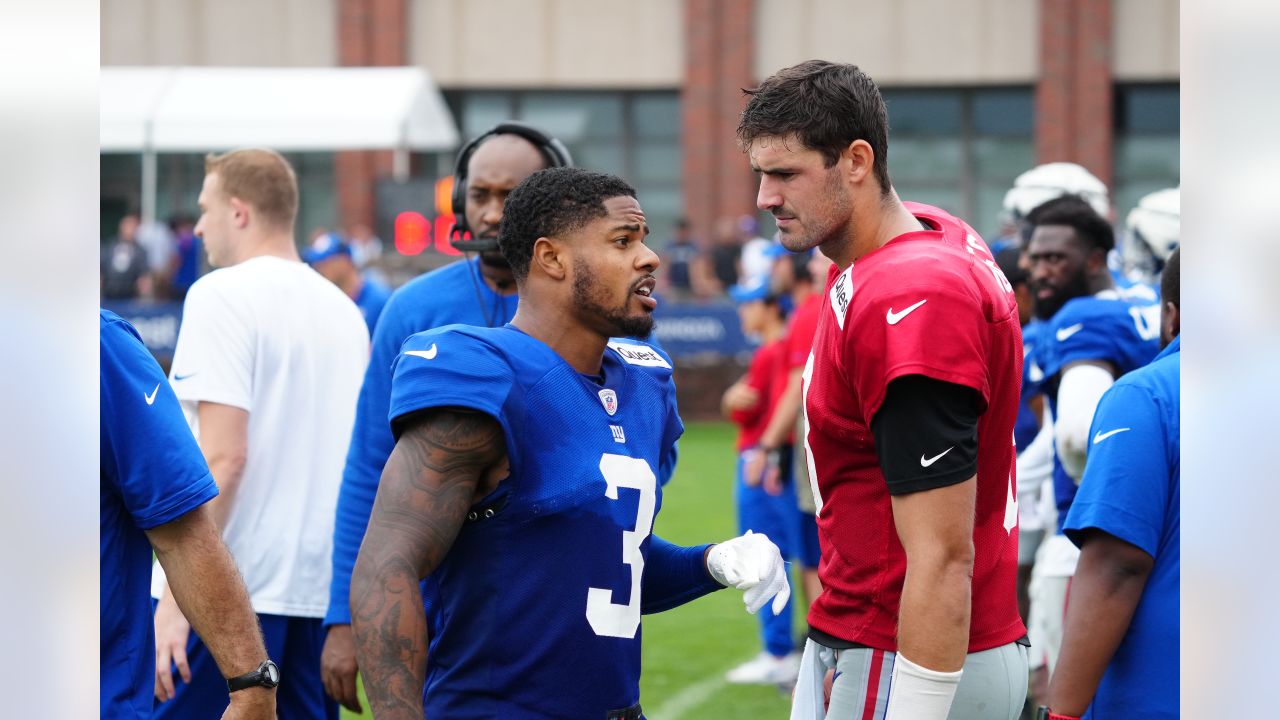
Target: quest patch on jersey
639, 355
609, 399
841, 293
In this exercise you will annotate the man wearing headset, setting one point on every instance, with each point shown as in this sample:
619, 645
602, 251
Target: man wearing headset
478, 290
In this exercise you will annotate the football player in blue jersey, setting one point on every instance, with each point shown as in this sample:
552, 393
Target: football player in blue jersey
479, 290
526, 474
155, 488
1120, 653
1092, 335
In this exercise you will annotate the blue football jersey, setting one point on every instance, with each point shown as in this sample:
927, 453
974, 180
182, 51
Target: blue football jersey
538, 602
452, 294
152, 473
1119, 328
1028, 425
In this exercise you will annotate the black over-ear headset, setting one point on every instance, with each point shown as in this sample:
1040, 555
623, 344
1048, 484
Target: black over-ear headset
554, 151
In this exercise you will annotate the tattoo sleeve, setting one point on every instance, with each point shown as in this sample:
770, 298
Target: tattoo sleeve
435, 473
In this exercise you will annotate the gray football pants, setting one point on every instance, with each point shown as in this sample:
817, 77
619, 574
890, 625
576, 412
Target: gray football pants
993, 686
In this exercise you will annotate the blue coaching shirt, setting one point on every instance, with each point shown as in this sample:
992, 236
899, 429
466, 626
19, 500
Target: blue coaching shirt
452, 294
1111, 326
1131, 490
538, 602
152, 473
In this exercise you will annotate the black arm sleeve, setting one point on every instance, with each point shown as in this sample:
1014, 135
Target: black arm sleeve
926, 434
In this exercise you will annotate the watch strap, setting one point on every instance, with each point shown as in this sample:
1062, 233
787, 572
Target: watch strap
260, 677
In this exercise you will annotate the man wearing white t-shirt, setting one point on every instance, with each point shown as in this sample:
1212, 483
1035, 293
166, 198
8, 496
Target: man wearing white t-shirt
268, 365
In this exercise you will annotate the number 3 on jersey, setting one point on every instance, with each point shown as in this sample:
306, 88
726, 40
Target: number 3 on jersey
605, 616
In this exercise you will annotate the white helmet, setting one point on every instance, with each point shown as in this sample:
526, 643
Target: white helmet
1152, 234
1045, 182
1156, 222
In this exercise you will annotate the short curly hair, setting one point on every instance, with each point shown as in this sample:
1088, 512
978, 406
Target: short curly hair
552, 202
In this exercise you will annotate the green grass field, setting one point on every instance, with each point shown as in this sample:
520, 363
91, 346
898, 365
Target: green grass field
687, 650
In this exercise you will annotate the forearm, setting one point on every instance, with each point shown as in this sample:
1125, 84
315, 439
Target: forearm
390, 629
208, 589
1104, 596
674, 575
933, 618
227, 472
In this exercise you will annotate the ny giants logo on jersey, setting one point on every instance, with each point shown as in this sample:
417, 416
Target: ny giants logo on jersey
609, 399
841, 292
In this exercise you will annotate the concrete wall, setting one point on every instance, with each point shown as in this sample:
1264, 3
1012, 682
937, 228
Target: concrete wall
1145, 42
634, 43
549, 43
282, 33
906, 42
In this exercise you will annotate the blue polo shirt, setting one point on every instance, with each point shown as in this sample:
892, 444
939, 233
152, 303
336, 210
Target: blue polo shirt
1130, 490
152, 473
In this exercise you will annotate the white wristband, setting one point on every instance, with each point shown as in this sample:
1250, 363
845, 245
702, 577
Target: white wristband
918, 693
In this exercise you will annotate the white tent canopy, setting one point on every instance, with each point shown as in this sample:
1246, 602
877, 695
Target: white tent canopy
203, 109
149, 110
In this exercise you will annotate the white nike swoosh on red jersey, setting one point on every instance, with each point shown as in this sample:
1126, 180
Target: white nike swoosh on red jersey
895, 318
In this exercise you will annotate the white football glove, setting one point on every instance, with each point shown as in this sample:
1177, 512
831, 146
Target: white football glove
751, 563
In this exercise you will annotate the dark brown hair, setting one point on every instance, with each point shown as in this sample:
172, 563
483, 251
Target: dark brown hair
826, 106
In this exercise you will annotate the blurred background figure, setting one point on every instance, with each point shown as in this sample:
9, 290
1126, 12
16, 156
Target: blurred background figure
366, 247
679, 261
754, 261
157, 240
333, 258
125, 270
726, 254
766, 503
188, 255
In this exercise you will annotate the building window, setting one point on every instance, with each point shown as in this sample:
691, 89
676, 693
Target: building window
179, 177
635, 135
1146, 143
960, 149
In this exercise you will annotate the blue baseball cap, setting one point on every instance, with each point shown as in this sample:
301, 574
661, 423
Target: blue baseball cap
758, 290
324, 247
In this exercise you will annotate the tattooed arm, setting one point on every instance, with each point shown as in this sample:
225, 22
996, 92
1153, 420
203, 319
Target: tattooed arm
444, 461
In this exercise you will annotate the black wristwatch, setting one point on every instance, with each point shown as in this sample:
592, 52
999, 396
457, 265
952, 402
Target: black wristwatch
267, 675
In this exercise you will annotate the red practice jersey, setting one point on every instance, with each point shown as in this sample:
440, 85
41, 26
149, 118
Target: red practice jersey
763, 377
930, 303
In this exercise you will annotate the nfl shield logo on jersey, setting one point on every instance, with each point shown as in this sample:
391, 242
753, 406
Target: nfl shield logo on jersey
609, 399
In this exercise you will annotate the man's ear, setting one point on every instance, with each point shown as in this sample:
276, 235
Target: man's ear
239, 213
1097, 261
1170, 322
550, 257
861, 161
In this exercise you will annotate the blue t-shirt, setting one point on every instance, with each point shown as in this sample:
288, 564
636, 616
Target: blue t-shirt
538, 601
452, 294
1131, 490
1028, 425
1111, 327
151, 473
372, 299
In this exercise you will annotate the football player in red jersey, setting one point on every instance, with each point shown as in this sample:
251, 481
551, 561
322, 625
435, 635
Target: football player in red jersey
911, 394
